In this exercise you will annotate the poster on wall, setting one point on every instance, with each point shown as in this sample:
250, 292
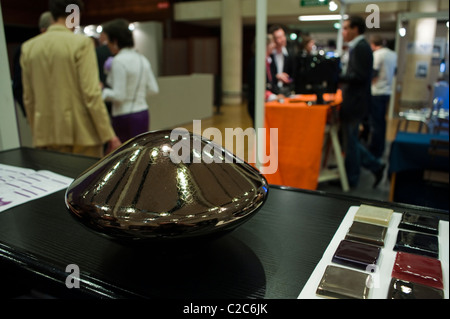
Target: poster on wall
419, 48
438, 51
421, 69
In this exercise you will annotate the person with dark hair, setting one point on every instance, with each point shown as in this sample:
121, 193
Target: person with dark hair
270, 83
103, 55
283, 62
384, 68
356, 94
131, 80
307, 45
58, 8
357, 23
61, 91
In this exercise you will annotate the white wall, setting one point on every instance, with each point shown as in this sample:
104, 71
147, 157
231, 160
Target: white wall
9, 136
181, 100
148, 38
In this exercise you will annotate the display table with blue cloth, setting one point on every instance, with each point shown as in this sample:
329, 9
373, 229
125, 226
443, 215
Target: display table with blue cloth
409, 151
408, 160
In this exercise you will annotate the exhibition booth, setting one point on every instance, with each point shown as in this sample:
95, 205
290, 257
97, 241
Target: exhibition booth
179, 217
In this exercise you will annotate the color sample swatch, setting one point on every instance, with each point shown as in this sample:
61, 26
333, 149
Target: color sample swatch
338, 282
420, 223
367, 233
356, 255
418, 269
400, 289
374, 215
417, 243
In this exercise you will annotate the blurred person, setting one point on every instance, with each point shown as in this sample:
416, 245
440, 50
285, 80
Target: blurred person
307, 46
45, 20
131, 80
356, 93
61, 91
104, 60
384, 68
103, 55
283, 63
271, 82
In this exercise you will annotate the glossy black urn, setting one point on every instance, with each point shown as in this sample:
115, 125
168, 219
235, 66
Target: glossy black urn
166, 185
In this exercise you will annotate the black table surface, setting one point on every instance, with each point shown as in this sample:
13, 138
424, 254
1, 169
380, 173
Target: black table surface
271, 256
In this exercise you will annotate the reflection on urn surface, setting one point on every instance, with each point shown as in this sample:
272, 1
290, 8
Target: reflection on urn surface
167, 185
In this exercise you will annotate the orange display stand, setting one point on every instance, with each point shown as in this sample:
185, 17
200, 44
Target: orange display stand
301, 131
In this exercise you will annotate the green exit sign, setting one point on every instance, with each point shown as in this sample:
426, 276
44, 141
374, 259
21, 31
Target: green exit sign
312, 3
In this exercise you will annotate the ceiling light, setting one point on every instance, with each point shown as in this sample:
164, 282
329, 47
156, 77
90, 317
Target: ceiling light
89, 30
326, 17
332, 6
402, 32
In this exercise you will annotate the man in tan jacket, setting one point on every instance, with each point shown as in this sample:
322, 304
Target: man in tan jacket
61, 90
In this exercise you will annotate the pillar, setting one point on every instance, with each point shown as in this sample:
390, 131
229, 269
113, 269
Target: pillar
9, 133
231, 35
418, 75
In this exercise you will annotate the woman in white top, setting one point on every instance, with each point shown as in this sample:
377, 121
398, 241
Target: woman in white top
131, 80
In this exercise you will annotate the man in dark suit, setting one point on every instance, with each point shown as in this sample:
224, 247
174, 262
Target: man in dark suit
283, 63
103, 53
356, 92
270, 94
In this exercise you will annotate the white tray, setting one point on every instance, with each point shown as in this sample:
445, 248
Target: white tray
382, 277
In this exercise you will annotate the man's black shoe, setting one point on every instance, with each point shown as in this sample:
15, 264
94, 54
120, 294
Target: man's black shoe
379, 175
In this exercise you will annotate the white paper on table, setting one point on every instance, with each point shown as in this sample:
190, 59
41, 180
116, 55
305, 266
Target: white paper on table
382, 276
20, 185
